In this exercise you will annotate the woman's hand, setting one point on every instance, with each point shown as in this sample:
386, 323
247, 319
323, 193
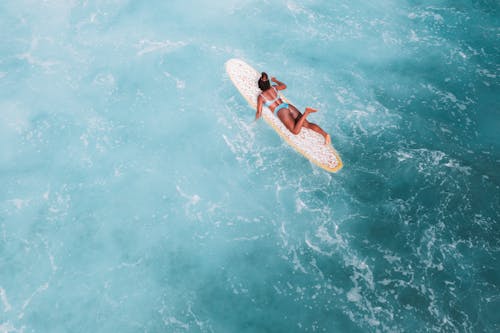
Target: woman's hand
258, 115
279, 85
259, 107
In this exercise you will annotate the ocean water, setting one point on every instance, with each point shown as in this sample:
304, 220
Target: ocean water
138, 194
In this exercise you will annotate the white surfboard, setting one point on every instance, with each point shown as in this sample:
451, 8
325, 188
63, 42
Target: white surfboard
307, 142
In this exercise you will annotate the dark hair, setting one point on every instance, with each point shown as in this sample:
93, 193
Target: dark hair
264, 85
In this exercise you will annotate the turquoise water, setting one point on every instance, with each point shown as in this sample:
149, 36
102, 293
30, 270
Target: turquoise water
137, 194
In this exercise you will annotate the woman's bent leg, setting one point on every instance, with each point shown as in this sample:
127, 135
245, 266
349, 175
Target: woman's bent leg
317, 129
310, 125
294, 125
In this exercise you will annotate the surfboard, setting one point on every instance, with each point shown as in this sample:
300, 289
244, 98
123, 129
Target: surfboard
308, 143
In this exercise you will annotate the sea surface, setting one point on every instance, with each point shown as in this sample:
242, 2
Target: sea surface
138, 194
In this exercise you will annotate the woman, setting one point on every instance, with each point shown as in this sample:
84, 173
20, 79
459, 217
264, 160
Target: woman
287, 113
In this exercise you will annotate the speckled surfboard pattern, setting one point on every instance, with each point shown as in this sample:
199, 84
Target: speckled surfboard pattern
307, 142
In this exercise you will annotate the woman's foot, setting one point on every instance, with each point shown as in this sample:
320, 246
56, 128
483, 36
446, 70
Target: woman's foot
310, 110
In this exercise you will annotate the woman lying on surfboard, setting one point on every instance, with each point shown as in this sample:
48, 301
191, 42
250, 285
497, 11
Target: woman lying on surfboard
287, 113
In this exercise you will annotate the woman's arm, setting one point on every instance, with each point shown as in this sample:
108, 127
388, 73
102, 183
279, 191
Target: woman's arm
259, 107
280, 85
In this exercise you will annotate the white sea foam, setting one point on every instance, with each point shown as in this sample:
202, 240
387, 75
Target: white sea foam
97, 134
297, 265
179, 83
402, 156
390, 38
354, 295
252, 238
414, 37
426, 14
5, 301
447, 97
8, 327
27, 302
192, 199
147, 46
296, 9
299, 205
126, 265
454, 164
34, 60
59, 204
104, 79
316, 248
358, 116
486, 73
392, 258
323, 235
318, 270
172, 321
283, 234
20, 203
445, 130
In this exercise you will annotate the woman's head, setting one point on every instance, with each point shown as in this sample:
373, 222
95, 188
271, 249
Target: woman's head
264, 82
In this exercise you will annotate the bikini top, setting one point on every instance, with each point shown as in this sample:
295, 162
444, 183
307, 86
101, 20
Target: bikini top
269, 103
